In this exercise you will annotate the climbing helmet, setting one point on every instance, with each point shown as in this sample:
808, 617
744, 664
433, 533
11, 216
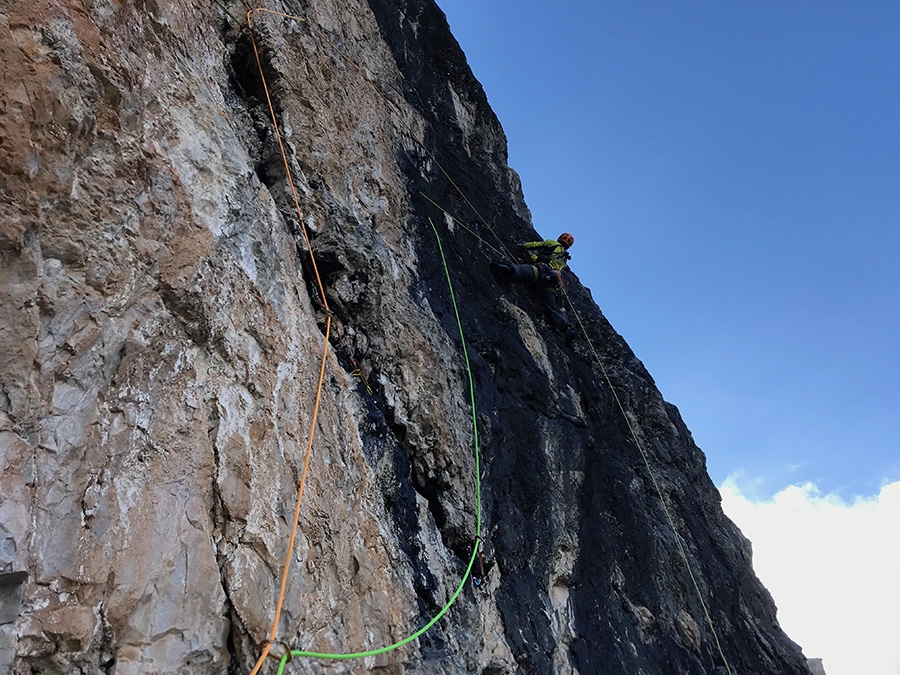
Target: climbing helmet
566, 239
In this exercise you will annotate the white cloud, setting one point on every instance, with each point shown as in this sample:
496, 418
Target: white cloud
834, 571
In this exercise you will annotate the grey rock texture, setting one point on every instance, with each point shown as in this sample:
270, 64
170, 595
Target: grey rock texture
160, 339
816, 667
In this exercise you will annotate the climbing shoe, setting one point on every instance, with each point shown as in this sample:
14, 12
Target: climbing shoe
501, 269
570, 336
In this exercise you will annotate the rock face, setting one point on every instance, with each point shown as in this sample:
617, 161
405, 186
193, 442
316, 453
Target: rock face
816, 667
160, 341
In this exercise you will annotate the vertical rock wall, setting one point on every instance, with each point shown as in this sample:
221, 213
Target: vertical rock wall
160, 340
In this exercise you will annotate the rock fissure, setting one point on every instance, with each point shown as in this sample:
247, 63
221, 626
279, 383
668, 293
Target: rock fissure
222, 521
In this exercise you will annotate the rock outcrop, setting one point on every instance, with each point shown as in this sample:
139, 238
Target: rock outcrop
816, 667
160, 340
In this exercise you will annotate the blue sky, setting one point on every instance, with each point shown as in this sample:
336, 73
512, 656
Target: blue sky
731, 173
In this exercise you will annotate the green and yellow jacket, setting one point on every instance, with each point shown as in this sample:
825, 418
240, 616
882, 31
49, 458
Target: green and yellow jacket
548, 251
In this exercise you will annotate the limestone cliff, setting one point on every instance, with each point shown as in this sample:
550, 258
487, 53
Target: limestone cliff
160, 340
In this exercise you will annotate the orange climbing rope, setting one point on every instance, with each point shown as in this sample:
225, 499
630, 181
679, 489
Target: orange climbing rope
365, 75
267, 649
312, 428
290, 548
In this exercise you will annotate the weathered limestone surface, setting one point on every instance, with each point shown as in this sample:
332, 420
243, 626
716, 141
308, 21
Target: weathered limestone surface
160, 340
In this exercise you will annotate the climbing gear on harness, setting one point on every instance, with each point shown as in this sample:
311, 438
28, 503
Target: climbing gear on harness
545, 274
549, 276
566, 239
361, 376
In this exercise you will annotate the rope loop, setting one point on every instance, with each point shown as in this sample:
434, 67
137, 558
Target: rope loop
266, 646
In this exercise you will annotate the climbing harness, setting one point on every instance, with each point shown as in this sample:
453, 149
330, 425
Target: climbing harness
549, 276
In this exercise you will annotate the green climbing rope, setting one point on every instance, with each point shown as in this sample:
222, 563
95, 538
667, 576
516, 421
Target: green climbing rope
375, 652
656, 485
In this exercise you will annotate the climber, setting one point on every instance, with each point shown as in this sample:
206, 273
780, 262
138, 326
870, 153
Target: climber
548, 260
